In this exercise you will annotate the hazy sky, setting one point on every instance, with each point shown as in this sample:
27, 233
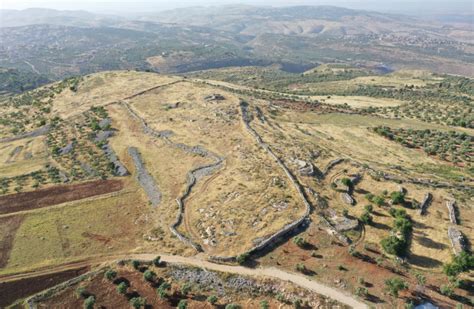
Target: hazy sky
115, 6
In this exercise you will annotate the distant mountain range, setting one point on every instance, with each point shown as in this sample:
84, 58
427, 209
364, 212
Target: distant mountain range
63, 43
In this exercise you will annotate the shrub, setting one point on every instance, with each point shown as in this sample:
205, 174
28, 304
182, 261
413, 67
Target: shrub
446, 290
135, 264
395, 285
157, 261
345, 212
81, 292
161, 290
122, 287
394, 245
300, 267
110, 274
366, 218
299, 241
369, 208
212, 299
460, 263
242, 259
185, 289
397, 197
149, 275
347, 182
362, 292
89, 302
379, 200
183, 304
232, 306
264, 304
138, 302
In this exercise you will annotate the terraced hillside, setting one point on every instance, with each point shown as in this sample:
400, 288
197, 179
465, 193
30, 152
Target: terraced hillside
309, 174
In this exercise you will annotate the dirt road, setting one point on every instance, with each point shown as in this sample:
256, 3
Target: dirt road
269, 272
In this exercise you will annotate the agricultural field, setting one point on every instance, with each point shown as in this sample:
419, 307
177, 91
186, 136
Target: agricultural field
251, 173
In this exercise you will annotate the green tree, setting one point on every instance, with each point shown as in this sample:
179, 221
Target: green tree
138, 302
185, 289
149, 275
242, 259
264, 304
395, 285
122, 287
135, 264
89, 302
157, 261
299, 241
183, 304
110, 274
232, 306
366, 218
347, 182
212, 299
446, 290
397, 197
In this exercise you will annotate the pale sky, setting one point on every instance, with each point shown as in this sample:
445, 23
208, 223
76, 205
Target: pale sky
122, 6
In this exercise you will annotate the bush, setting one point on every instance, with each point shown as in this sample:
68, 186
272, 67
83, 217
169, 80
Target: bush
366, 218
397, 198
460, 263
89, 302
138, 302
81, 292
212, 299
183, 304
135, 264
395, 285
379, 200
394, 245
232, 306
161, 290
369, 208
299, 241
347, 182
122, 287
362, 292
446, 290
300, 267
110, 274
264, 304
185, 289
157, 261
242, 259
149, 275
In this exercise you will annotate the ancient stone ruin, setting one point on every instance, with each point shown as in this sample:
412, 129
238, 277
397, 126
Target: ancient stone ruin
451, 204
458, 242
425, 203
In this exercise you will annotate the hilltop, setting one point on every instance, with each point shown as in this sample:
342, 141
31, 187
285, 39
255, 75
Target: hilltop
345, 175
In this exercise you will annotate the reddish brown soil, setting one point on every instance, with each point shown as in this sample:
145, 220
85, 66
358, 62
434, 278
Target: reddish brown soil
106, 294
14, 290
329, 256
56, 195
11, 224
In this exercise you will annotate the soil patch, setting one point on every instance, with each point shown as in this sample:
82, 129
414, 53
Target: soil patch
18, 289
56, 195
8, 228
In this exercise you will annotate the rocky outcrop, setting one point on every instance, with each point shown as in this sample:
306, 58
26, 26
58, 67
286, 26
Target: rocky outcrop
214, 97
119, 168
425, 203
458, 243
66, 149
346, 198
451, 205
146, 181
